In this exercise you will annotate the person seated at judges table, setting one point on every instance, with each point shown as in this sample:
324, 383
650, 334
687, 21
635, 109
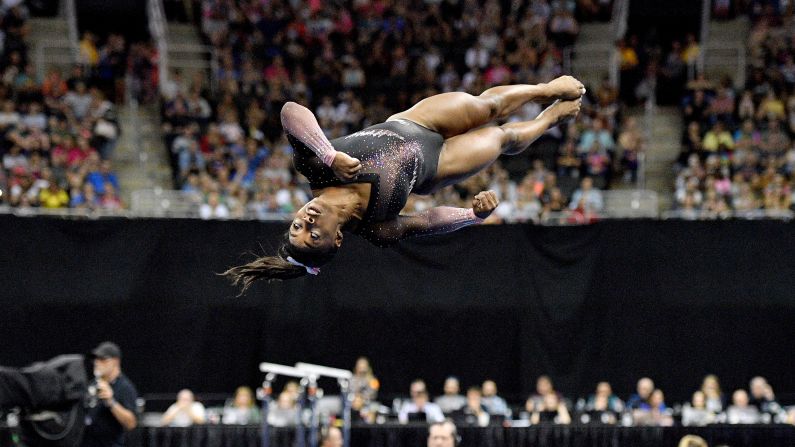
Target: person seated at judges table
184, 412
762, 396
715, 400
474, 412
740, 411
655, 412
644, 389
419, 405
696, 412
285, 412
551, 410
451, 400
495, 405
242, 410
362, 411
603, 406
544, 386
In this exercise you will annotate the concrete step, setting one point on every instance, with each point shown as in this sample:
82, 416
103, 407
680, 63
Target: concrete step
142, 163
737, 27
662, 149
54, 26
596, 33
182, 28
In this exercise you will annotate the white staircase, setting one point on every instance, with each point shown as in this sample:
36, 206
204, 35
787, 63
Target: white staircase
186, 51
725, 50
49, 45
141, 158
662, 149
593, 53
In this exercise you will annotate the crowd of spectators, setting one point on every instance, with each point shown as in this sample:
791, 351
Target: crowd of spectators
57, 134
481, 405
355, 64
737, 153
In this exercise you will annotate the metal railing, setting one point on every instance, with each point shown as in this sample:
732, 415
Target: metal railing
70, 14
53, 53
163, 203
157, 28
178, 55
620, 18
131, 94
632, 204
77, 213
744, 215
723, 58
706, 15
620, 22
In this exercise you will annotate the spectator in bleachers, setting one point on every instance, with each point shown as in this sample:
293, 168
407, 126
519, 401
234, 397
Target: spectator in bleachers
53, 196
451, 400
186, 411
718, 139
109, 200
100, 174
587, 199
214, 208
630, 145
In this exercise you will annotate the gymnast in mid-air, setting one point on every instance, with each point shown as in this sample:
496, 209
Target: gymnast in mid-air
361, 182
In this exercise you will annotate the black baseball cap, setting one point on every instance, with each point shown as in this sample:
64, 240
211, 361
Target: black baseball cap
107, 350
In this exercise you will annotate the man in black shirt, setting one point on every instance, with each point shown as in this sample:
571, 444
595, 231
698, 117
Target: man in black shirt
107, 421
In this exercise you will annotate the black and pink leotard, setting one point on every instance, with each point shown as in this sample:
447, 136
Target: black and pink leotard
398, 158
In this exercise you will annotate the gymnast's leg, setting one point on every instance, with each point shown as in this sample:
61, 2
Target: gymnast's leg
454, 113
466, 154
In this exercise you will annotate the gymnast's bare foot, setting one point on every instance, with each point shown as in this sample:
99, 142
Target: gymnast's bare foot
566, 88
561, 111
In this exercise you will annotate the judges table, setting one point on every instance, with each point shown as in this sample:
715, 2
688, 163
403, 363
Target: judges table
415, 435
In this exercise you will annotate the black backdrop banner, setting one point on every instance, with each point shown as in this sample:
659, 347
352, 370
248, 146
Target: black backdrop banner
612, 301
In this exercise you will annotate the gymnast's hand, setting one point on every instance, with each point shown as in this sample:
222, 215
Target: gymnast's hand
484, 203
345, 167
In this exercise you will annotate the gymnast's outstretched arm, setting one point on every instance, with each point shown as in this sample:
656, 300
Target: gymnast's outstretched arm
437, 220
300, 123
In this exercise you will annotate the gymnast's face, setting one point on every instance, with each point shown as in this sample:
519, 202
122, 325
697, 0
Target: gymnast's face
315, 228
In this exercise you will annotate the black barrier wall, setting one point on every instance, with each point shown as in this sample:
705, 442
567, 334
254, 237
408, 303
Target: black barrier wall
612, 301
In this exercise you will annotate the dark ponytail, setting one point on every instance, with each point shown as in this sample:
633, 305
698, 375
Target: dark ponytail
272, 268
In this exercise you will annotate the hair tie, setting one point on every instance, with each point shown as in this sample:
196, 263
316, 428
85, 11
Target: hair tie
310, 270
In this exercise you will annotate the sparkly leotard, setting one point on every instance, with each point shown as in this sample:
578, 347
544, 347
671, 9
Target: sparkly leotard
398, 158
